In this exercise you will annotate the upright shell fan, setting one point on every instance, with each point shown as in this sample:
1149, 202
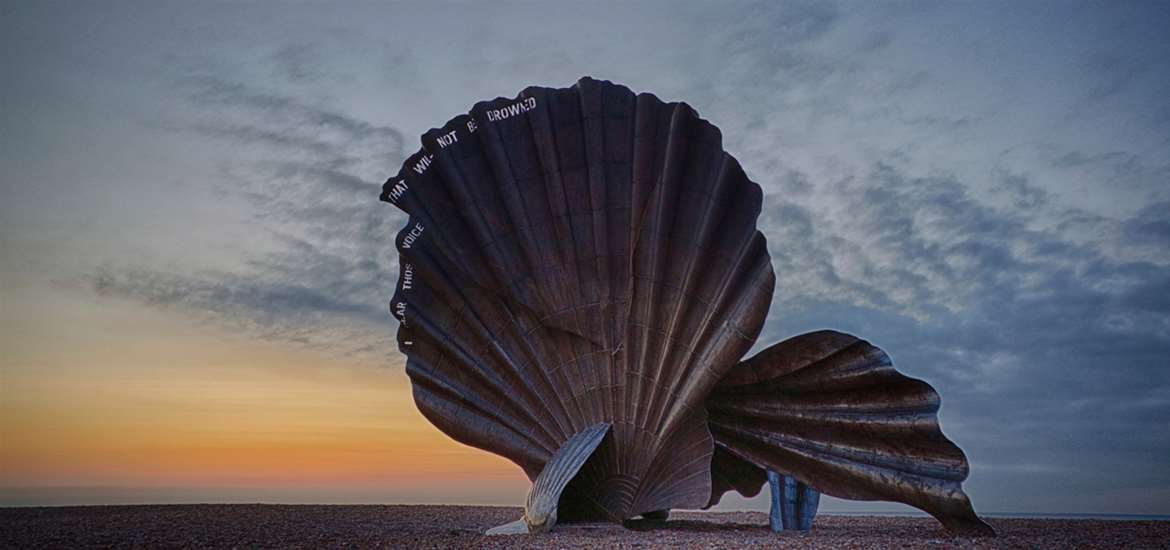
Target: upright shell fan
579, 278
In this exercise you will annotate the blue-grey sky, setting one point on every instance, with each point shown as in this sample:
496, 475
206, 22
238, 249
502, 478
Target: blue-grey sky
982, 189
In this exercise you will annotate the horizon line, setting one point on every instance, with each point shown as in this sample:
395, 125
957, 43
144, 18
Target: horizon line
1111, 516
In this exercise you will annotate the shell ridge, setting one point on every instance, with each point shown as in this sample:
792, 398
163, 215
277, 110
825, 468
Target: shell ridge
575, 378
717, 334
554, 194
713, 211
419, 192
442, 413
471, 376
593, 105
462, 297
595, 164
555, 379
479, 211
679, 460
664, 492
687, 139
778, 361
705, 229
549, 165
856, 363
502, 168
561, 210
852, 448
801, 452
795, 408
557, 411
429, 227
645, 167
619, 361
665, 469
734, 291
424, 183
515, 372
444, 390
471, 208
449, 390
572, 372
649, 251
479, 215
666, 205
400, 305
594, 241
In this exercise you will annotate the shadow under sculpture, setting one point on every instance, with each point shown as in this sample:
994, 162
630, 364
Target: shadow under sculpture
580, 277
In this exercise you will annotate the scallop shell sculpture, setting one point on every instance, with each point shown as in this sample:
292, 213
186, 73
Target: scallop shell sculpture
580, 278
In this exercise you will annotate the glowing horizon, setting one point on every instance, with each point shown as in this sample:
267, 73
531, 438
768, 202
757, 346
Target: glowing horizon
173, 406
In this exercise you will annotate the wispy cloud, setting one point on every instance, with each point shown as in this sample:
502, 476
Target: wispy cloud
312, 178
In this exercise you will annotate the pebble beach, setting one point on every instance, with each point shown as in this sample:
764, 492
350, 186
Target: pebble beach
401, 526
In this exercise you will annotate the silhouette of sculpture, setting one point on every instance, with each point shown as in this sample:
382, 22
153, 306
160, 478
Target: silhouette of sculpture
580, 278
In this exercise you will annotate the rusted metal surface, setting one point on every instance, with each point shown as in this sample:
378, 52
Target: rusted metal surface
581, 256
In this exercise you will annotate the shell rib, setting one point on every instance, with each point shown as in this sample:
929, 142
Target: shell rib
577, 256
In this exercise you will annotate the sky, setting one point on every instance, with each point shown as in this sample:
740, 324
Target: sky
196, 268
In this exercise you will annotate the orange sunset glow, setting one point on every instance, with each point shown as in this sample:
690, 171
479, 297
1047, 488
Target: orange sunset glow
183, 412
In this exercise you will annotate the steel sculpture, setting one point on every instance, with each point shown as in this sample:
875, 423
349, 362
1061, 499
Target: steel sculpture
580, 277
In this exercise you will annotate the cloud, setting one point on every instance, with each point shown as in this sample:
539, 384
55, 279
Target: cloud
297, 63
284, 121
1151, 225
287, 312
312, 176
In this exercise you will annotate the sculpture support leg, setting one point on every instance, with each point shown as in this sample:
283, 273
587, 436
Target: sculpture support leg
788, 499
810, 499
774, 520
794, 504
